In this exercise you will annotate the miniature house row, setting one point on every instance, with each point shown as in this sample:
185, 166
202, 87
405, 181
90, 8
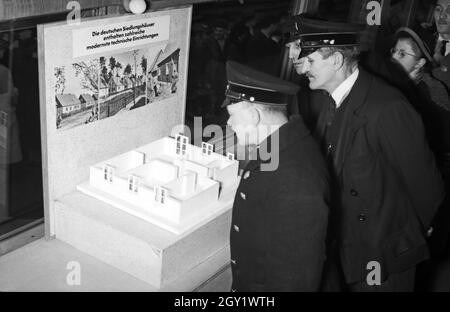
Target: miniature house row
168, 178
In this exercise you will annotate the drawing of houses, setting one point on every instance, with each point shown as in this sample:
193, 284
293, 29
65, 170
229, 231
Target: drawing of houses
153, 69
103, 90
168, 66
127, 82
115, 85
140, 80
87, 101
67, 104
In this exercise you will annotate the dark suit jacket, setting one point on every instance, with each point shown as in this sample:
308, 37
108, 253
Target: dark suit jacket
388, 186
280, 217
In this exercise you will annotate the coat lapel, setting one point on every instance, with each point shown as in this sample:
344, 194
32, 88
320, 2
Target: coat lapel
355, 100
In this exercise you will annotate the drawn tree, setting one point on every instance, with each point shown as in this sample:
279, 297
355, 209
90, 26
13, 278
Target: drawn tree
105, 74
112, 63
127, 71
104, 69
88, 73
118, 66
60, 74
144, 64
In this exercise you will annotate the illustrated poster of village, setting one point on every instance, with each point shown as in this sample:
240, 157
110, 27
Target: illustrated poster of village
92, 89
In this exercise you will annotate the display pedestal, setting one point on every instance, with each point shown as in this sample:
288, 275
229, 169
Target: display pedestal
140, 248
78, 133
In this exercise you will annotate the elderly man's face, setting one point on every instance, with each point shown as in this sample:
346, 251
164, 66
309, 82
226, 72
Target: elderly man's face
242, 122
442, 17
318, 70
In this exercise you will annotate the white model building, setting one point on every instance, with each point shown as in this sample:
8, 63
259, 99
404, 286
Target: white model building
169, 182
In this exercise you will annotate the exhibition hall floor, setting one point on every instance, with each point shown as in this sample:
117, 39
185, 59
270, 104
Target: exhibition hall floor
50, 266
47, 265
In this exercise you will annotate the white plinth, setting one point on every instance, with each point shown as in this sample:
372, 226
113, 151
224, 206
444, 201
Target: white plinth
136, 246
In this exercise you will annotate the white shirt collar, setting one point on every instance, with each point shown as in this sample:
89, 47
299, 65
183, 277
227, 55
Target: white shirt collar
447, 46
341, 92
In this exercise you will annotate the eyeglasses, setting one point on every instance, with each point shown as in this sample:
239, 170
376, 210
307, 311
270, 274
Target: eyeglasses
439, 9
401, 53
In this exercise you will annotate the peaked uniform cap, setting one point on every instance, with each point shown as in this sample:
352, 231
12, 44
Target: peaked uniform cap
248, 84
305, 25
314, 34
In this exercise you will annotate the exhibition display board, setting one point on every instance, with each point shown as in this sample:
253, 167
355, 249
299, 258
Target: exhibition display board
108, 86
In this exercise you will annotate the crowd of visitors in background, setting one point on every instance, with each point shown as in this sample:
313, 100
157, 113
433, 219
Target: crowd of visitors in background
256, 40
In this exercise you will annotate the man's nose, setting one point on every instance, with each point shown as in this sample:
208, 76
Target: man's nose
305, 68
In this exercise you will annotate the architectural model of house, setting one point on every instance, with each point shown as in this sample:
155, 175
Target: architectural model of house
168, 182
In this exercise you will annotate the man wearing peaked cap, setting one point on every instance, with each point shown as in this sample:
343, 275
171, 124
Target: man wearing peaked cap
386, 184
280, 211
257, 86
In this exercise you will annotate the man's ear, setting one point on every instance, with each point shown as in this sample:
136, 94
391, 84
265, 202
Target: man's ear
338, 60
255, 116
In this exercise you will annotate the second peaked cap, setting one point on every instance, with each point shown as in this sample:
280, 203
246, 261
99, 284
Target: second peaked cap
248, 84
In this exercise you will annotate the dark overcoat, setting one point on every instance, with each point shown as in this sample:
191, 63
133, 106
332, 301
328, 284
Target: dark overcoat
388, 186
279, 220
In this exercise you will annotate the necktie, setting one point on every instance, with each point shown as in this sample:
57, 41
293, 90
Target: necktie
444, 47
330, 118
439, 51
331, 110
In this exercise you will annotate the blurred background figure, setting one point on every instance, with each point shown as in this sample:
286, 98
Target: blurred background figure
10, 142
10, 151
239, 36
219, 50
25, 64
198, 95
442, 22
262, 52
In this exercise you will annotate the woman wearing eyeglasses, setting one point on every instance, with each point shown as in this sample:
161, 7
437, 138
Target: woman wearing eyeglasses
431, 99
411, 53
415, 58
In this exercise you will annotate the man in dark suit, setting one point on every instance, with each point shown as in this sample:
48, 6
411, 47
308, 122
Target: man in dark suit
442, 21
386, 184
280, 212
